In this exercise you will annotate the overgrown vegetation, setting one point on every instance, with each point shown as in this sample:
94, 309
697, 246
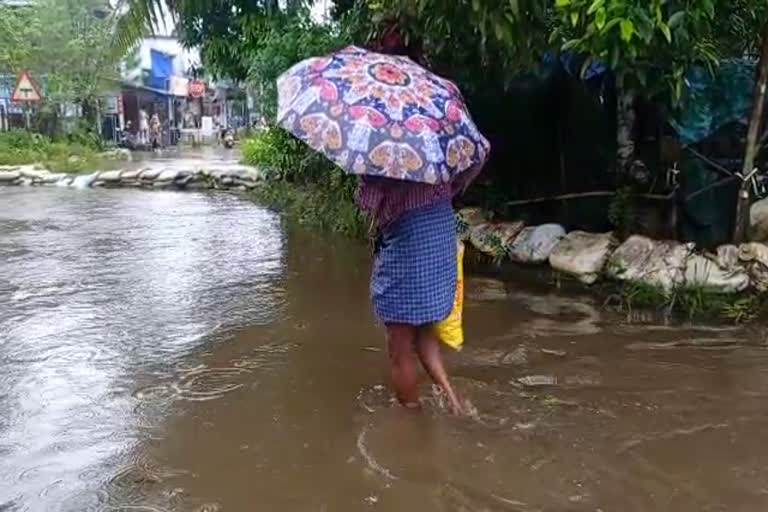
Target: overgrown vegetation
75, 153
622, 212
299, 181
692, 302
72, 50
303, 184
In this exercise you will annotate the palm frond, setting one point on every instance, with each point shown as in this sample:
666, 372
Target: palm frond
137, 19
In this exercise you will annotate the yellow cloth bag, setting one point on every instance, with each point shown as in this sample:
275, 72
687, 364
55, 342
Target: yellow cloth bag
450, 330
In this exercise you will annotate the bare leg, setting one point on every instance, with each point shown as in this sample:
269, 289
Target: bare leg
405, 378
428, 349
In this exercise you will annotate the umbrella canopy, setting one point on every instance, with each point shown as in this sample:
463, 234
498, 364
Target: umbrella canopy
381, 115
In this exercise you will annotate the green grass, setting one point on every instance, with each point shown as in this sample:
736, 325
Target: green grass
691, 302
78, 154
303, 184
314, 206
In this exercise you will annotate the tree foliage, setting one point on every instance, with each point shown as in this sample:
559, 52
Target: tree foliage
67, 46
279, 42
649, 44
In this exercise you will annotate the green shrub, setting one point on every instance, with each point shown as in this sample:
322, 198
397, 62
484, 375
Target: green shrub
304, 184
77, 153
692, 302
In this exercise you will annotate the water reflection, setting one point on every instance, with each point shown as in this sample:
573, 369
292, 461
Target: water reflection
178, 352
99, 289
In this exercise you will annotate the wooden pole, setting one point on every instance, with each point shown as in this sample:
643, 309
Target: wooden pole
758, 100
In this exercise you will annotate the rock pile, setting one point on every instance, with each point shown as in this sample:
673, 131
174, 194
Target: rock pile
588, 257
176, 174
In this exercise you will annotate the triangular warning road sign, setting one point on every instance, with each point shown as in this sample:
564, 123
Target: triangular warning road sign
26, 89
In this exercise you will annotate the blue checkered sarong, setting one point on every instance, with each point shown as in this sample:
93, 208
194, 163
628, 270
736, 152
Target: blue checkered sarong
414, 269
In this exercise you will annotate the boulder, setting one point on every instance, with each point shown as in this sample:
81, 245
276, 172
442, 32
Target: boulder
758, 221
65, 181
715, 273
54, 178
755, 256
237, 171
110, 176
466, 219
494, 239
84, 180
655, 263
535, 243
167, 175
29, 171
7, 177
183, 180
582, 255
150, 174
727, 256
130, 175
197, 185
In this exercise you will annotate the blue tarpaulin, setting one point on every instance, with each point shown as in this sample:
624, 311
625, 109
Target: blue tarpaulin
712, 102
572, 63
161, 71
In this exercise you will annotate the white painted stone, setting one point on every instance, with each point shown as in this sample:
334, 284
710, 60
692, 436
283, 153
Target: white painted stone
8, 176
65, 181
494, 239
704, 270
167, 175
727, 256
110, 176
656, 263
29, 171
150, 174
582, 255
54, 177
466, 219
758, 221
132, 174
84, 180
535, 243
755, 257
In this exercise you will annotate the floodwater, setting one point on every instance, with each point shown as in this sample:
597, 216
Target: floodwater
165, 351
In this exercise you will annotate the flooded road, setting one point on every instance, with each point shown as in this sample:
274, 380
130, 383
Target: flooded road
165, 351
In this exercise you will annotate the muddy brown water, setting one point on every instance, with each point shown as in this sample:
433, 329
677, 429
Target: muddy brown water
165, 351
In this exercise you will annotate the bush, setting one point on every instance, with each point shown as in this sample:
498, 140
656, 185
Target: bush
19, 147
304, 184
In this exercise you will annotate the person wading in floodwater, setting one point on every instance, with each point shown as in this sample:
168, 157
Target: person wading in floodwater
413, 283
408, 135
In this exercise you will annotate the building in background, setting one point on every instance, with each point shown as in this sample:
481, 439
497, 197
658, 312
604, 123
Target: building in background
155, 80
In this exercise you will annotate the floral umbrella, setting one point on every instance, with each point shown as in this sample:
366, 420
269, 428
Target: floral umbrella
381, 115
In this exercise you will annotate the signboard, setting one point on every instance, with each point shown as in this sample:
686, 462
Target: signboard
206, 126
26, 89
111, 105
196, 89
179, 86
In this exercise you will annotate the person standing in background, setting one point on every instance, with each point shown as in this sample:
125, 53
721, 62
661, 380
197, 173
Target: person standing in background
143, 126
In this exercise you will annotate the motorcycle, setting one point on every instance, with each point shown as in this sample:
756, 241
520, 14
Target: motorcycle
125, 139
